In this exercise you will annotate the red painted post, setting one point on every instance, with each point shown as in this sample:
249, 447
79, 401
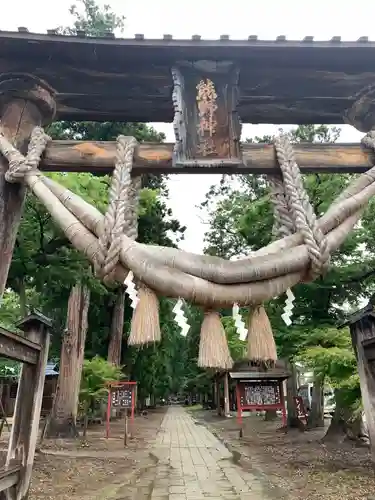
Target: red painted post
108, 412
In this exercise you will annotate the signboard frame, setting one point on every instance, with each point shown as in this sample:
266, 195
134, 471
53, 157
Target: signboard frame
116, 386
242, 405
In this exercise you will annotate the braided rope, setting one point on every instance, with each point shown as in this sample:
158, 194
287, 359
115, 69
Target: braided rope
115, 221
369, 139
283, 222
300, 208
131, 226
20, 165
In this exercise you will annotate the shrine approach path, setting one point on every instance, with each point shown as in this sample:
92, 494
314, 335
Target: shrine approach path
192, 464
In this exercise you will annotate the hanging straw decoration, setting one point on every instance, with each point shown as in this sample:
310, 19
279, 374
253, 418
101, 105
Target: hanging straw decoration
145, 327
261, 344
213, 346
180, 318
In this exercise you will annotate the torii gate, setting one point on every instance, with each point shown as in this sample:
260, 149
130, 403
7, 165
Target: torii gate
208, 88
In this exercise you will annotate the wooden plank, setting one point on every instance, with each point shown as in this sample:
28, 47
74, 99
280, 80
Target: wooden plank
13, 346
24, 106
99, 158
361, 332
24, 432
281, 82
369, 349
9, 477
196, 41
18, 120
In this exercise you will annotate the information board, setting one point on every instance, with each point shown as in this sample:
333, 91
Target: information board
260, 394
122, 397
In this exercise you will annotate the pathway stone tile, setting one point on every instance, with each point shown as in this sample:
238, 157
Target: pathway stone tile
194, 465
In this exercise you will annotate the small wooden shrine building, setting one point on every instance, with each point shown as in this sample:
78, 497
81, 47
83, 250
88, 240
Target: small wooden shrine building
9, 386
362, 331
251, 388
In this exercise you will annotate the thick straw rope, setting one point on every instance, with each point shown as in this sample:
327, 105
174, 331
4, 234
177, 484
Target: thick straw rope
20, 165
115, 220
202, 280
121, 216
296, 204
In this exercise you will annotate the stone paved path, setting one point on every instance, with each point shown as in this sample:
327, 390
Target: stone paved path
194, 465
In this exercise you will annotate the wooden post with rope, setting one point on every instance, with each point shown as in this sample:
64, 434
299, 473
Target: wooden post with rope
24, 104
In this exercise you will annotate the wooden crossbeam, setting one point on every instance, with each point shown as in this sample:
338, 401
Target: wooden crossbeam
151, 158
9, 477
18, 348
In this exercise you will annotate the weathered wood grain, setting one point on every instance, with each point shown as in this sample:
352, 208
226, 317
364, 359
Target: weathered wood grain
8, 478
280, 82
99, 158
206, 122
24, 432
18, 348
24, 105
18, 120
363, 331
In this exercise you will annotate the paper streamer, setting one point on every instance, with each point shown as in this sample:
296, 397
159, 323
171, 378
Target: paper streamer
131, 290
238, 321
180, 318
288, 308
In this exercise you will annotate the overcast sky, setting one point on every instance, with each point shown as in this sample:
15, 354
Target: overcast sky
210, 18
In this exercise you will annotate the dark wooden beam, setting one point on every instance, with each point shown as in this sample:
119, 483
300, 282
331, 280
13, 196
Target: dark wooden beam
9, 477
369, 349
25, 103
281, 82
26, 415
99, 157
18, 348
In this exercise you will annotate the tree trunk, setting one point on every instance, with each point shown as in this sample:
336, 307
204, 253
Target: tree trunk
64, 411
22, 297
270, 415
316, 416
291, 393
343, 426
117, 328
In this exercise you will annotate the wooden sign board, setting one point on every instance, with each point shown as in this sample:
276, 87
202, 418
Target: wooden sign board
260, 395
206, 123
122, 397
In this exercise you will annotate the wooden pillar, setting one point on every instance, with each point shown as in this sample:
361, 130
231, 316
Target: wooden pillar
25, 103
363, 334
217, 393
226, 395
25, 428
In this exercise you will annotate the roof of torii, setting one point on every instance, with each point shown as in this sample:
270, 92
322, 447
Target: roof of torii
106, 78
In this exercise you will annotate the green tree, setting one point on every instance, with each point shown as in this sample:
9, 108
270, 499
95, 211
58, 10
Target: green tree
240, 219
45, 263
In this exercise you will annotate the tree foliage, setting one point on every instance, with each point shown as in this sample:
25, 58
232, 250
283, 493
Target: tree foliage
45, 266
240, 220
97, 373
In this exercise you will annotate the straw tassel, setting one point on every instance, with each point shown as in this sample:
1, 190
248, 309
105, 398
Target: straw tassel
261, 343
213, 346
145, 326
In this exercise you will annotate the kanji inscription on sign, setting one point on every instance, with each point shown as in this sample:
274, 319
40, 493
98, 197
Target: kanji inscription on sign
260, 393
122, 397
